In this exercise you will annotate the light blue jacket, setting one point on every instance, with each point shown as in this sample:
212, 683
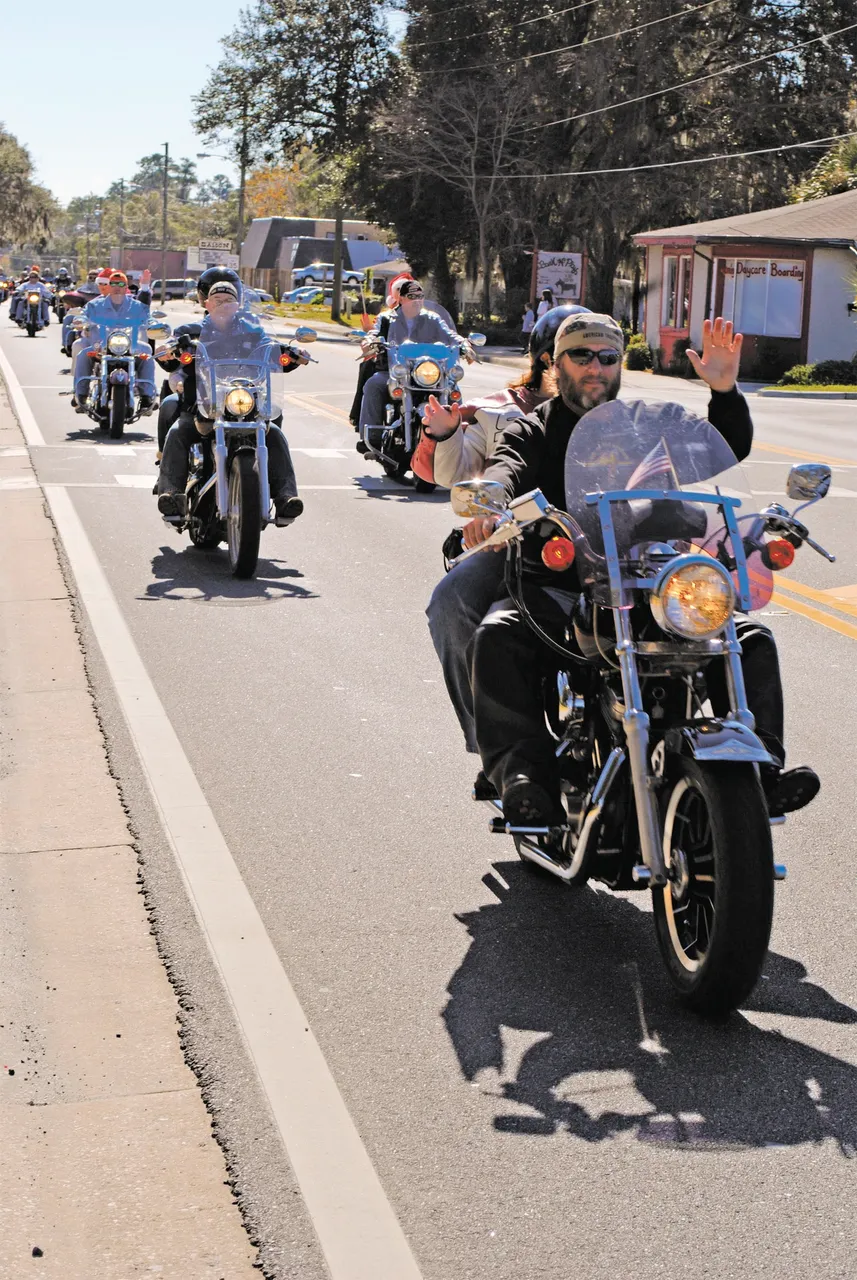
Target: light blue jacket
101, 310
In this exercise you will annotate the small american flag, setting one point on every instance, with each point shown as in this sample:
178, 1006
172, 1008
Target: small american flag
657, 463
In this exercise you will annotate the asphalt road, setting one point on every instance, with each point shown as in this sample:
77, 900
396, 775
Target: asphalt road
533, 1100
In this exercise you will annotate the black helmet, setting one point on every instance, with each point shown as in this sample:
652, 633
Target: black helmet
214, 275
544, 330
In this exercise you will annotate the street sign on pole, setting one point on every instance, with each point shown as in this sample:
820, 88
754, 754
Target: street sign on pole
199, 258
224, 246
561, 273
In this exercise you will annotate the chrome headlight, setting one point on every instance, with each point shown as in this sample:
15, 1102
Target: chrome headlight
427, 373
457, 372
693, 596
240, 402
399, 371
119, 344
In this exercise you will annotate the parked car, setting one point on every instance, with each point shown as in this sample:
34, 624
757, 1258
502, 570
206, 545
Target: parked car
318, 272
303, 294
175, 288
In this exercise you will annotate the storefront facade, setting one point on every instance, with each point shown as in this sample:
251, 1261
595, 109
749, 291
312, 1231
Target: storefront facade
784, 277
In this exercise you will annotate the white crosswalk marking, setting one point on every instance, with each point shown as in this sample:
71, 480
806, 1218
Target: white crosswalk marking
321, 453
135, 482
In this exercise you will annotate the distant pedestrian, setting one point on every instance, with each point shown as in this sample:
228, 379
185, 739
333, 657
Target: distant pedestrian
546, 303
528, 321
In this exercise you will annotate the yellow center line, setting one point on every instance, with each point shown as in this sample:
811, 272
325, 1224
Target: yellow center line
827, 598
318, 406
815, 615
803, 455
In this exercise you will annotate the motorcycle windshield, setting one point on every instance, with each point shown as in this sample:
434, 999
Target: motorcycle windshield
436, 351
240, 357
651, 450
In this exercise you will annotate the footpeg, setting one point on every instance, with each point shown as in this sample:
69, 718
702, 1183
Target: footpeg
499, 827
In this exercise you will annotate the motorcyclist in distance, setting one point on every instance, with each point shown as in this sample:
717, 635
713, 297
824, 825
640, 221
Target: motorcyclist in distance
225, 325
457, 439
412, 324
509, 661
119, 307
32, 284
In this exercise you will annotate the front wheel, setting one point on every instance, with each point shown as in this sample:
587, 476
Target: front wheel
423, 486
118, 401
713, 919
244, 516
31, 330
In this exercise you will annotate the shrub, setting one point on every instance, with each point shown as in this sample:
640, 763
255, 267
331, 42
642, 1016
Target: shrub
834, 372
769, 362
679, 365
800, 375
638, 353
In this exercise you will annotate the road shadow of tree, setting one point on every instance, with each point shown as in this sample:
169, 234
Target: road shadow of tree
208, 576
581, 970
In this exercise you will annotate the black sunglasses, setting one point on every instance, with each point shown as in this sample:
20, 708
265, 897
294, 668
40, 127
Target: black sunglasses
583, 356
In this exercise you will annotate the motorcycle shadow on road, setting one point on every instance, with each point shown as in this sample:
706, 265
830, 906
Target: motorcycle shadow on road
379, 487
94, 435
615, 1053
193, 576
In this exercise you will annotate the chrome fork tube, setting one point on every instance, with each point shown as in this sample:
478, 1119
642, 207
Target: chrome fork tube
222, 486
735, 678
407, 414
636, 723
262, 463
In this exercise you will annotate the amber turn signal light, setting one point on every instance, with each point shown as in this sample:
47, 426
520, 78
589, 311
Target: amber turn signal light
779, 553
558, 554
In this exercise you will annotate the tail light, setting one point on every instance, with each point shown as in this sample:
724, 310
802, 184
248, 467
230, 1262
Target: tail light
455, 397
397, 393
558, 554
779, 553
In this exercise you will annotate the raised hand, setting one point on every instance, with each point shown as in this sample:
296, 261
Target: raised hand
721, 355
145, 278
440, 419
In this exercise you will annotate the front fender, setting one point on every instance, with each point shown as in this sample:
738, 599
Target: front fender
717, 740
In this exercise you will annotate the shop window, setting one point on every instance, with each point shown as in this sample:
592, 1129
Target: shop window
675, 313
763, 296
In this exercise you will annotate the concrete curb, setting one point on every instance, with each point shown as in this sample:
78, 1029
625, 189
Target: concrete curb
809, 395
108, 1150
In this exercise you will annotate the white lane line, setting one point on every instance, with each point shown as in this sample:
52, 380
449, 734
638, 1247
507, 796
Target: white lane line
115, 450
30, 387
358, 1231
23, 412
135, 481
320, 453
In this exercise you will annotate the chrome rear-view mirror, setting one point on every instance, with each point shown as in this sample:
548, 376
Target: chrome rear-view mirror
808, 481
478, 497
477, 339
305, 334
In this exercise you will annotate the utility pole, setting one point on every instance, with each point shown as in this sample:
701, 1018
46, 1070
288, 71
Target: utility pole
164, 225
242, 165
121, 224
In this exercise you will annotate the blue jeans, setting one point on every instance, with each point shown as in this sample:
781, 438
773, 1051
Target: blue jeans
374, 402
458, 604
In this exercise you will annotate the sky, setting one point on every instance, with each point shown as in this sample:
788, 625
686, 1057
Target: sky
81, 138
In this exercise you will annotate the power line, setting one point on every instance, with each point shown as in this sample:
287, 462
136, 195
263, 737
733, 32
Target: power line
686, 84
675, 164
475, 35
612, 35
